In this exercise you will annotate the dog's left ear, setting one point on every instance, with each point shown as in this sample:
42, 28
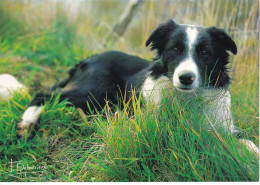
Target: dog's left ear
159, 36
220, 36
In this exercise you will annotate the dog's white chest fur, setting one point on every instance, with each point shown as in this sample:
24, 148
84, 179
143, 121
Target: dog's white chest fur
153, 89
217, 106
218, 109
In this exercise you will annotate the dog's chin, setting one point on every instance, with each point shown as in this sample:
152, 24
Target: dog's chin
185, 89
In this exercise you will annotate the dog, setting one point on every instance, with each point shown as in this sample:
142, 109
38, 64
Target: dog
188, 59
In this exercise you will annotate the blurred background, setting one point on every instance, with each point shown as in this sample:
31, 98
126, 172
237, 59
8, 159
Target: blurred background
40, 39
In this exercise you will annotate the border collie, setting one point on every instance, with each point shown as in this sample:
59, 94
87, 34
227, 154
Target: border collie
189, 59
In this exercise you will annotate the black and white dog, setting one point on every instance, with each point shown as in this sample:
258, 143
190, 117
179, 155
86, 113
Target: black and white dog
189, 58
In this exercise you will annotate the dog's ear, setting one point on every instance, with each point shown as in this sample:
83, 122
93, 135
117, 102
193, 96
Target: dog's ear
159, 36
220, 36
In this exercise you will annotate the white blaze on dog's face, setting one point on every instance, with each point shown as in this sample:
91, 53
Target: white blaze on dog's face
186, 75
192, 56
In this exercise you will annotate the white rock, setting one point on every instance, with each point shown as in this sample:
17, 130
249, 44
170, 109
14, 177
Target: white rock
8, 85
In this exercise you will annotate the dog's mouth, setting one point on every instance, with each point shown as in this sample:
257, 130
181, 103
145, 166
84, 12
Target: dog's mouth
185, 89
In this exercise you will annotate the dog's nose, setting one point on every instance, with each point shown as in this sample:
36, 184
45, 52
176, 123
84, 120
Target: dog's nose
187, 78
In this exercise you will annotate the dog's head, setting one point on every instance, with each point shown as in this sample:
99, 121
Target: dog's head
193, 56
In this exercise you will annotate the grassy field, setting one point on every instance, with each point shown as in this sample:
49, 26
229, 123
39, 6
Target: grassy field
39, 41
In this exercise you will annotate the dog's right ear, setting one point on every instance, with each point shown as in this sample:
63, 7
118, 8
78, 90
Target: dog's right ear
160, 35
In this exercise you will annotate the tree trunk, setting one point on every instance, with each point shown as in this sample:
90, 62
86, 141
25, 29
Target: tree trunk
120, 27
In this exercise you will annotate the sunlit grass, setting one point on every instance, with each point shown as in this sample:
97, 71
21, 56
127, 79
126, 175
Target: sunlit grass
164, 144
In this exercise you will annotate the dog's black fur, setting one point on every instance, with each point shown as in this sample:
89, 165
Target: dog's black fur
108, 76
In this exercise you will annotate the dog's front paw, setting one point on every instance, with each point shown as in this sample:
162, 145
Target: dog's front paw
25, 129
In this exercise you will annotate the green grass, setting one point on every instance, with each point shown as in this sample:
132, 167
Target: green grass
137, 143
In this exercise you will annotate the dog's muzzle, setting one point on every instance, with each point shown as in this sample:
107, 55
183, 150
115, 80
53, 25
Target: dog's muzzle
186, 76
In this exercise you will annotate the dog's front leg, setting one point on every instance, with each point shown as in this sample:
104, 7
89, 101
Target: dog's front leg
31, 116
219, 111
250, 145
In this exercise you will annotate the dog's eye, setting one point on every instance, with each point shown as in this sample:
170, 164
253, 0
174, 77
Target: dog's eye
204, 53
176, 50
